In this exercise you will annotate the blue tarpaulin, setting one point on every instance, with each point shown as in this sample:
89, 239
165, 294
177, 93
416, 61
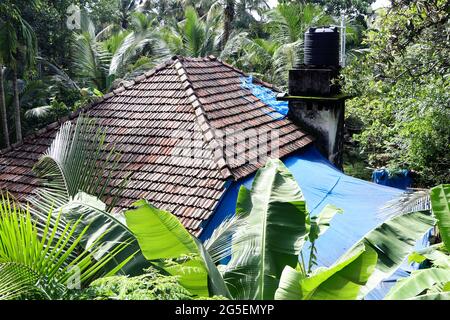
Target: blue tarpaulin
267, 96
399, 179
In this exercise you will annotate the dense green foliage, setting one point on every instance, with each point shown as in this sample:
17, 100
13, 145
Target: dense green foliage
152, 285
397, 63
401, 84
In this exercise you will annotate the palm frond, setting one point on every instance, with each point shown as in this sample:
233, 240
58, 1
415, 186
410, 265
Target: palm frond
407, 202
90, 61
38, 112
77, 160
58, 72
142, 42
219, 243
36, 259
17, 281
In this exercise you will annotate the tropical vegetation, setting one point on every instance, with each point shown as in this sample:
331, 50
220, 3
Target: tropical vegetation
66, 244
55, 58
69, 241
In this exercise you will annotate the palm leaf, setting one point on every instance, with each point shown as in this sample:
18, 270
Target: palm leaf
218, 244
102, 228
77, 160
34, 258
90, 61
409, 201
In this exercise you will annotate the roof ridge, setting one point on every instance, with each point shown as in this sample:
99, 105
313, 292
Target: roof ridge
121, 88
202, 120
258, 80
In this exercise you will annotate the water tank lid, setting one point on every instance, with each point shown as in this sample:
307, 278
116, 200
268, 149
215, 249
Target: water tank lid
322, 29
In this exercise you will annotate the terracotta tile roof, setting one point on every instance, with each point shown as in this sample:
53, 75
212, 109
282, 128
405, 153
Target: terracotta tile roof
168, 125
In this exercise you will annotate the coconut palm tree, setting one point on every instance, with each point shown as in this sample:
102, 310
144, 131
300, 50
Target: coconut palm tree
271, 59
194, 36
228, 14
98, 63
126, 8
288, 22
3, 113
19, 47
252, 55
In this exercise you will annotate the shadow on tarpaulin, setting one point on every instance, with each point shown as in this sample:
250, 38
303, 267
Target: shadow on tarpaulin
322, 184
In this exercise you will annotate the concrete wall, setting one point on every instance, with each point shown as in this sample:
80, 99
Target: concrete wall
325, 121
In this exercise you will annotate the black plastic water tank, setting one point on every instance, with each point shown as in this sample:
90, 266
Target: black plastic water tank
322, 46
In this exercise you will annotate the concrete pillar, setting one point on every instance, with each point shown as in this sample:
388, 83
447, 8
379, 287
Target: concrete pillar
318, 107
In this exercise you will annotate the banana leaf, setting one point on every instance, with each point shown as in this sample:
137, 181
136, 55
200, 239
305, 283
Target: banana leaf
432, 253
418, 282
165, 242
275, 231
321, 223
341, 281
433, 296
393, 241
440, 205
102, 227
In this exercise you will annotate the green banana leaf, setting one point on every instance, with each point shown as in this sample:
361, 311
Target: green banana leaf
418, 282
275, 230
102, 227
321, 222
433, 296
432, 253
165, 242
440, 205
341, 281
216, 282
393, 241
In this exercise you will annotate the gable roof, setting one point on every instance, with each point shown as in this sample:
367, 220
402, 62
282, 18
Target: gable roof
168, 125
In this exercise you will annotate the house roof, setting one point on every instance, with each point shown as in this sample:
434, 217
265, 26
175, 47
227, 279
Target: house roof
168, 123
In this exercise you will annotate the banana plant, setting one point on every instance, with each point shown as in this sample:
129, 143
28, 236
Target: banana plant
371, 260
273, 227
433, 282
341, 281
440, 207
265, 250
276, 229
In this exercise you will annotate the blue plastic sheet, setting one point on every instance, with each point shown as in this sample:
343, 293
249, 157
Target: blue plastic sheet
267, 96
322, 184
399, 179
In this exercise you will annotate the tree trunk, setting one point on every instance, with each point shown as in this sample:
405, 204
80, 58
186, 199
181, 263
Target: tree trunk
228, 20
17, 107
3, 110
